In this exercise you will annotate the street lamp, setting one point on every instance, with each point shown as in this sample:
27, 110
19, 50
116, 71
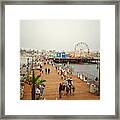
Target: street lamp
33, 84
27, 66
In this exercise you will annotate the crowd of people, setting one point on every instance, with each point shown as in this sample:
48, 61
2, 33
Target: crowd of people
66, 87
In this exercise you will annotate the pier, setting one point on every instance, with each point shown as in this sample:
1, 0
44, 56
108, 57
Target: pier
52, 84
76, 60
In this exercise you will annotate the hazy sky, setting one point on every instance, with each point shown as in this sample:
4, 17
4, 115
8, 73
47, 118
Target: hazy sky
59, 34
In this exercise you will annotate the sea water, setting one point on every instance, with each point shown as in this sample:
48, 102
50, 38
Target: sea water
91, 70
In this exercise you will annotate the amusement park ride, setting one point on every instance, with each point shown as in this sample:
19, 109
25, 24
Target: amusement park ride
81, 50
81, 54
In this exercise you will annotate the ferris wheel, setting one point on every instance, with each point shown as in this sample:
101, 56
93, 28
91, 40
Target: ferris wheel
81, 49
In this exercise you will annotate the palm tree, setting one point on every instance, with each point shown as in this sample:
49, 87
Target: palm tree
40, 81
35, 80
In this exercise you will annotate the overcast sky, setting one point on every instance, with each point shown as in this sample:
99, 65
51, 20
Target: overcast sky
59, 34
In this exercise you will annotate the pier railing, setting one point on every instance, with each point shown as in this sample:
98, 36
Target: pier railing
89, 78
92, 81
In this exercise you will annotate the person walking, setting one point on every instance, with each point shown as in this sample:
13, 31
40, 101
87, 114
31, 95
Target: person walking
67, 89
41, 88
42, 70
70, 86
48, 70
73, 89
63, 87
38, 92
45, 70
56, 68
60, 90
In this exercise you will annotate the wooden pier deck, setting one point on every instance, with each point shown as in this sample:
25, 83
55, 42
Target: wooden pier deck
52, 84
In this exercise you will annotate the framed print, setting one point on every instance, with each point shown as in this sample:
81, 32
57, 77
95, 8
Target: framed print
60, 59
